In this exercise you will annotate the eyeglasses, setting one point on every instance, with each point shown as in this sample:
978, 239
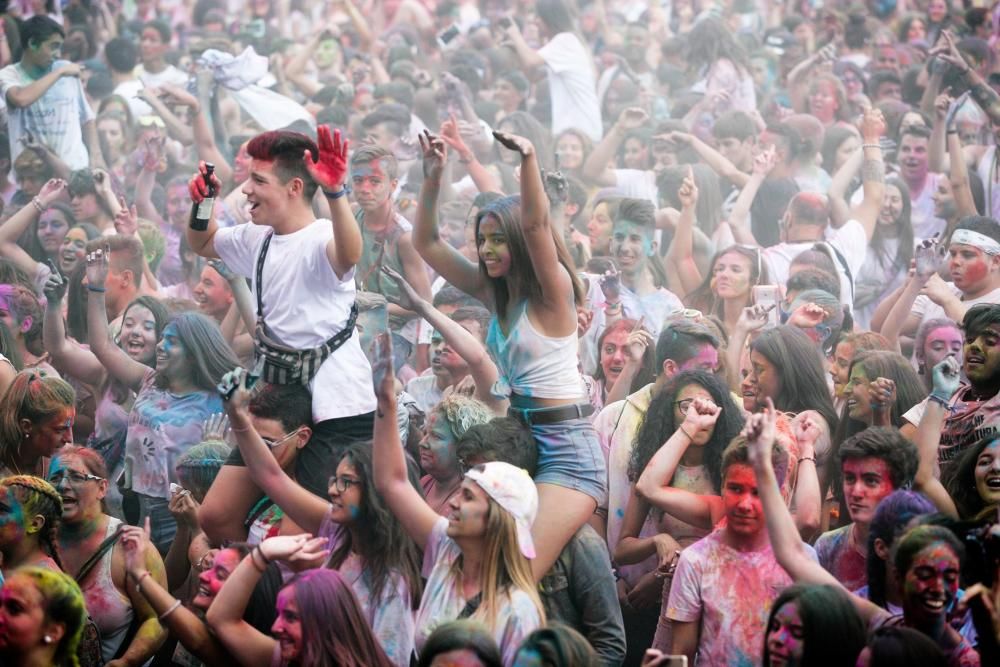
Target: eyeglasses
683, 405
272, 443
342, 484
75, 478
687, 313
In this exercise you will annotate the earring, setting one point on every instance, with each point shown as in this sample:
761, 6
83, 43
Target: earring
47, 639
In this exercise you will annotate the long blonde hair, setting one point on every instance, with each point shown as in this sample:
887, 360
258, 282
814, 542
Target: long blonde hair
504, 567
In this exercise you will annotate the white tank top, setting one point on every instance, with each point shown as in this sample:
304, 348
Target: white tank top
533, 365
989, 173
109, 607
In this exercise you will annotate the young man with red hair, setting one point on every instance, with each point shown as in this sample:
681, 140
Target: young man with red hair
303, 280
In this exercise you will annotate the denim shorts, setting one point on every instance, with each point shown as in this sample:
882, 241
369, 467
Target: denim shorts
162, 524
569, 455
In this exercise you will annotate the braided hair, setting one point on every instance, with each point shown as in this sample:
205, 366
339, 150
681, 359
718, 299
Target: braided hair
39, 498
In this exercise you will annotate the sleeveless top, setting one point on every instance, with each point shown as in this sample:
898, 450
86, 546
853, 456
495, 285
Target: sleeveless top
380, 250
533, 365
109, 607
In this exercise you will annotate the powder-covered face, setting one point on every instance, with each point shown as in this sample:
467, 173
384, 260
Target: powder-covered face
22, 616
437, 448
841, 366
858, 400
940, 343
494, 252
372, 185
786, 636
631, 245
81, 497
968, 266
744, 512
211, 580
823, 101
866, 481
987, 473
707, 359
12, 520
345, 506
981, 355
48, 436
72, 250
287, 627
613, 356
469, 513
930, 585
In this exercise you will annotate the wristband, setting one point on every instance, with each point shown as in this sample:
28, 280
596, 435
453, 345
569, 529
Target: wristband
345, 189
173, 608
138, 580
96, 289
38, 205
806, 458
267, 561
871, 146
943, 402
680, 428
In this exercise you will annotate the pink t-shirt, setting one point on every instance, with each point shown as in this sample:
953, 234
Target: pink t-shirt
730, 592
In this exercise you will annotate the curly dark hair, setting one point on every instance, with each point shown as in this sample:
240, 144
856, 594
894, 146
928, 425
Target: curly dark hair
659, 423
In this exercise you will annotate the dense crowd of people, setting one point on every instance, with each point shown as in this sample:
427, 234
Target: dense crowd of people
475, 333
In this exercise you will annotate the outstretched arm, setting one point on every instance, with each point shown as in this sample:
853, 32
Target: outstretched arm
304, 508
66, 356
536, 225
872, 171
329, 170
18, 224
481, 367
388, 458
444, 259
121, 366
946, 377
247, 644
681, 251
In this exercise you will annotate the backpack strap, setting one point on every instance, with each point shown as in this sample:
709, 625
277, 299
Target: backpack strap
106, 546
258, 285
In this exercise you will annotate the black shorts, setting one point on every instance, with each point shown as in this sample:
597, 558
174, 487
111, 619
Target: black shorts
317, 462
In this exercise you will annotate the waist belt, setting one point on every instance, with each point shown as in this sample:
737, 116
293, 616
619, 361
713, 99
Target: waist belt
529, 416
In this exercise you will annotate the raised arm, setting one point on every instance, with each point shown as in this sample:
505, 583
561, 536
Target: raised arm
872, 171
69, 358
19, 223
894, 316
182, 623
481, 367
444, 259
958, 174
840, 210
248, 645
388, 457
480, 175
150, 634
329, 170
946, 377
739, 217
789, 549
304, 508
121, 366
176, 128
599, 167
982, 92
536, 225
203, 241
681, 251
719, 163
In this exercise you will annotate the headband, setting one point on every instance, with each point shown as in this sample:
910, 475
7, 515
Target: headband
977, 240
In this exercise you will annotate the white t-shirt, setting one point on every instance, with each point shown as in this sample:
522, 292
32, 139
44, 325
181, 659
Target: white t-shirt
638, 184
305, 303
55, 119
928, 310
850, 241
925, 224
573, 86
